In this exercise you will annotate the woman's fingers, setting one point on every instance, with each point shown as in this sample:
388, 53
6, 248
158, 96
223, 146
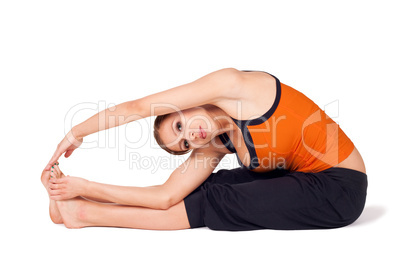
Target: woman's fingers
54, 186
68, 153
66, 147
56, 197
61, 148
54, 192
53, 160
57, 180
56, 183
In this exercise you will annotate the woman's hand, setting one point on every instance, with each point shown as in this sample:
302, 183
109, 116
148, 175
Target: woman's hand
67, 187
67, 146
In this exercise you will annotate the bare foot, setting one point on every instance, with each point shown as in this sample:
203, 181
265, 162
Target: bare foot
54, 213
73, 212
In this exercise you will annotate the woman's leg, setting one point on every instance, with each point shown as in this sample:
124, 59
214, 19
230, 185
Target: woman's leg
297, 200
78, 213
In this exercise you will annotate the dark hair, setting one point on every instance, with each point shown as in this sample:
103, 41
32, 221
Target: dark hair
157, 124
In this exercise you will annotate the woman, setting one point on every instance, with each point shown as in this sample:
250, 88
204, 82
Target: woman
298, 168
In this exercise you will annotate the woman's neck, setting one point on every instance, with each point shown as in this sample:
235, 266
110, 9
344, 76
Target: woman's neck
221, 118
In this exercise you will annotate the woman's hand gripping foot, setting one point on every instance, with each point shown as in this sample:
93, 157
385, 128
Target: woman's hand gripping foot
65, 190
63, 187
54, 212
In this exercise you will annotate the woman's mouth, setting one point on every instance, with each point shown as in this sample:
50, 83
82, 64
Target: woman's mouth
203, 133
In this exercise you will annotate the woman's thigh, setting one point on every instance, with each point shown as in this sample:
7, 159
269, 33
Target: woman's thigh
294, 201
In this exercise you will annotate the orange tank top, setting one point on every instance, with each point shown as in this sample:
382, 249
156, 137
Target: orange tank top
294, 134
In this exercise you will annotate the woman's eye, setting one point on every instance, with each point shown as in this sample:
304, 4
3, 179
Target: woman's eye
186, 145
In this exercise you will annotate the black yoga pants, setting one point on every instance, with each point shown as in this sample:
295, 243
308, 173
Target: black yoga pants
239, 199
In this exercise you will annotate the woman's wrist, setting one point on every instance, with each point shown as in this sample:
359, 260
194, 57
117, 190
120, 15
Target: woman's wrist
85, 187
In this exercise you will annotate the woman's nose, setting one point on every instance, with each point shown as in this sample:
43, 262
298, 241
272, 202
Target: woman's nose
192, 135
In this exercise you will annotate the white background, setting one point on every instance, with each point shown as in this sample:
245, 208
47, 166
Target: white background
60, 57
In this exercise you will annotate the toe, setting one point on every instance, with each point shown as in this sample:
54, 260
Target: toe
58, 171
53, 172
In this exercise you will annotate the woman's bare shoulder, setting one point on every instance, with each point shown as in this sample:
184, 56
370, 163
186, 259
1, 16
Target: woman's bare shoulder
253, 96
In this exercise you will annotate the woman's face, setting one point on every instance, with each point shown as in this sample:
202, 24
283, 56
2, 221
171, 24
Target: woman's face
188, 129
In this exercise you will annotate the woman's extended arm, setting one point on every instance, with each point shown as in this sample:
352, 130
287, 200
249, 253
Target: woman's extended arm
187, 177
69, 187
208, 89
111, 117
